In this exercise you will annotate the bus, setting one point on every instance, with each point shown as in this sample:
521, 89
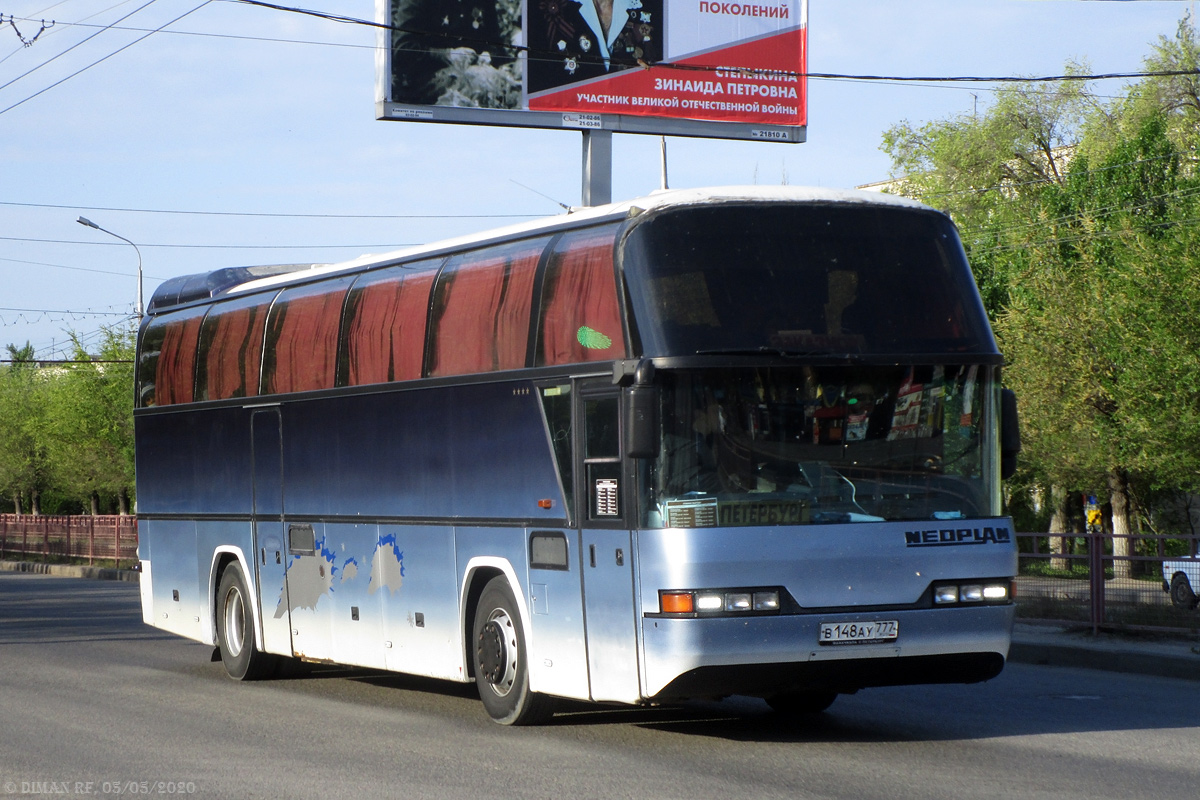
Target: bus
741, 441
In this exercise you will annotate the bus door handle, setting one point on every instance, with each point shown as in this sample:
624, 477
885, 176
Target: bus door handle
619, 556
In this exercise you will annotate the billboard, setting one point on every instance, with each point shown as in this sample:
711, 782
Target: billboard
679, 67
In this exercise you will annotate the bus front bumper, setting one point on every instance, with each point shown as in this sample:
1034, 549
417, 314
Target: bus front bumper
767, 655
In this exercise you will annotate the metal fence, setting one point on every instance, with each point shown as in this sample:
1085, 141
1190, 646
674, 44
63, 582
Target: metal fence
69, 539
1077, 578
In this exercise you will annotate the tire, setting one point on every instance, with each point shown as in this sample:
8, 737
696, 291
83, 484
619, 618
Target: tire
235, 630
1181, 593
500, 660
799, 703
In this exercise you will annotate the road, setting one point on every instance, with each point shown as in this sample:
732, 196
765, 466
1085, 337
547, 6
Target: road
94, 702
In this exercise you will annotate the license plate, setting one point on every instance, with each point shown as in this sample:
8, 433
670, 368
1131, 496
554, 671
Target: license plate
859, 632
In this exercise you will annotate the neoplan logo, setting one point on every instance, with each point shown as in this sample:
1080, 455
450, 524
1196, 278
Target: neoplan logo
948, 537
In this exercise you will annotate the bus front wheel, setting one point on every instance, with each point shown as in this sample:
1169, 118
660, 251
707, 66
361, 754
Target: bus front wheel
500, 660
235, 629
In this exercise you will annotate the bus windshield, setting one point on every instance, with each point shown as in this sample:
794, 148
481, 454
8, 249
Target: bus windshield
803, 279
821, 444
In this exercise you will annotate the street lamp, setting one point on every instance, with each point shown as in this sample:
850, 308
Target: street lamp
90, 224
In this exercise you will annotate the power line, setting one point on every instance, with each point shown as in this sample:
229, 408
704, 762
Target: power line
711, 68
72, 47
218, 246
210, 35
66, 311
77, 269
101, 60
268, 214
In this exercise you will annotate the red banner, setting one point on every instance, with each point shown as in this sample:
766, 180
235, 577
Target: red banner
761, 81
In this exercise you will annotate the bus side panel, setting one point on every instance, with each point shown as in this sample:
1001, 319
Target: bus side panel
413, 574
177, 601
477, 451
336, 609
226, 536
194, 462
558, 661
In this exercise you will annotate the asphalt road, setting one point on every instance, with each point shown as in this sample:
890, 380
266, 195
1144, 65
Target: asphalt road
92, 702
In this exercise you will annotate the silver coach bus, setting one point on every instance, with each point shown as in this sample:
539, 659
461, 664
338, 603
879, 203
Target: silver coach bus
709, 442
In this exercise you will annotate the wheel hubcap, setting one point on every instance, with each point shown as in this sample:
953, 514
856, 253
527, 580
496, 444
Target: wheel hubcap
497, 651
235, 622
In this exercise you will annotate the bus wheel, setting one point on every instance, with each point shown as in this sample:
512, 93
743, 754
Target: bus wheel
802, 702
501, 664
1181, 593
235, 629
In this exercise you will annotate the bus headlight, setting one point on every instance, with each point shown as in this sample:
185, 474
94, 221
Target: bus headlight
720, 602
974, 592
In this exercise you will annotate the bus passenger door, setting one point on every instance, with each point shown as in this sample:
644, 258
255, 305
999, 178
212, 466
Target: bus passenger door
270, 545
608, 586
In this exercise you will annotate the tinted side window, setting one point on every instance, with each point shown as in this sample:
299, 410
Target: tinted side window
302, 338
385, 325
581, 313
167, 358
231, 344
482, 309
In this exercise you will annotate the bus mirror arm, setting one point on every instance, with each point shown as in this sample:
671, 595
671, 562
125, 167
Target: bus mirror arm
637, 372
1010, 434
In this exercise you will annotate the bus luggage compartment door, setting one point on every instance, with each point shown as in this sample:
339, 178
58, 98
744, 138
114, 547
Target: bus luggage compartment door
270, 548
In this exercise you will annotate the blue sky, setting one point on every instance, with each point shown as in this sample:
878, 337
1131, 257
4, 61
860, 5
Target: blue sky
284, 134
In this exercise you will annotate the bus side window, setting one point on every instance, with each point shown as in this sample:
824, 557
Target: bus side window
556, 403
302, 338
384, 332
481, 309
231, 342
581, 312
602, 457
167, 362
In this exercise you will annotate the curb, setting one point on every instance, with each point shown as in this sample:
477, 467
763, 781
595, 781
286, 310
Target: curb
72, 571
1181, 660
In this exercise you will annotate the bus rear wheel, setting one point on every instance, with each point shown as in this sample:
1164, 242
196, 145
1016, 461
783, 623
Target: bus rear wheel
235, 629
500, 660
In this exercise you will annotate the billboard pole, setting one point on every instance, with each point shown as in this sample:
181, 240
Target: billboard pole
597, 167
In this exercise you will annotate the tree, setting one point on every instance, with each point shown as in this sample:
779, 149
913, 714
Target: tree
90, 422
1079, 220
24, 465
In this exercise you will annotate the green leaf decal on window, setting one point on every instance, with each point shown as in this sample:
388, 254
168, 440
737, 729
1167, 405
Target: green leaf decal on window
593, 339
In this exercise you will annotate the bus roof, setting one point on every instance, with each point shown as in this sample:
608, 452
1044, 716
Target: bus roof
241, 280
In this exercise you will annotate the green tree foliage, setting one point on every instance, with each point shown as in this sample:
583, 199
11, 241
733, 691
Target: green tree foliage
24, 465
1079, 217
67, 429
90, 419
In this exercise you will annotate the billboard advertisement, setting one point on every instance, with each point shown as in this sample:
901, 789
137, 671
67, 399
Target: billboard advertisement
678, 67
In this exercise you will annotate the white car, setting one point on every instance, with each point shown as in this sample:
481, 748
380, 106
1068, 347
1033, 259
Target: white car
1181, 578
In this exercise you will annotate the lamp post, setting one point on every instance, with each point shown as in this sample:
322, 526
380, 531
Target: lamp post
90, 224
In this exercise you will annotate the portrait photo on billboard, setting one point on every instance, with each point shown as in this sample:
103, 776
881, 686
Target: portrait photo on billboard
456, 53
578, 40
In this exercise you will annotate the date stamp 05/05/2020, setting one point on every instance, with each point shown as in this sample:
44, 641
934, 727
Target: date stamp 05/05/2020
98, 787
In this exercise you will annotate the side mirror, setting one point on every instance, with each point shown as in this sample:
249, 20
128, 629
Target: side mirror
641, 422
1010, 433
